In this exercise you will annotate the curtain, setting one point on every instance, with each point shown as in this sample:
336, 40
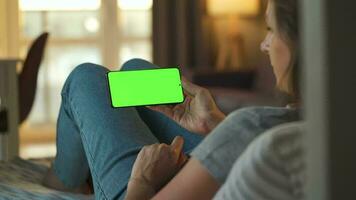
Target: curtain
179, 34
9, 29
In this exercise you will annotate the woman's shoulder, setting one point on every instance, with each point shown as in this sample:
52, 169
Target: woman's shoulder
264, 110
283, 144
282, 139
271, 166
263, 114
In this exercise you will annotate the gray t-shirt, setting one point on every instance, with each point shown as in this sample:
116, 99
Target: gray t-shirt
272, 167
224, 145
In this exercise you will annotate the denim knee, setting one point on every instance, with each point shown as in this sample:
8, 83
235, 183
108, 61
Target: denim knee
84, 72
137, 64
88, 69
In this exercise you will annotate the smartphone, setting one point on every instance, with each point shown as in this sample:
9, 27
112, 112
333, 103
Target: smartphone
145, 87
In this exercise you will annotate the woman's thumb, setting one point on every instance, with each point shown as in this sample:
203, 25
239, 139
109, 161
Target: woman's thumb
177, 145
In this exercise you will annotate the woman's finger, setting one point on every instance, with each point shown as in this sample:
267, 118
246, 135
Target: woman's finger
177, 143
189, 87
182, 159
177, 146
186, 94
167, 110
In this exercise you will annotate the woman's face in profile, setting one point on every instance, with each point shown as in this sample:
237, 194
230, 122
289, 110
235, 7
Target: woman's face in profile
276, 48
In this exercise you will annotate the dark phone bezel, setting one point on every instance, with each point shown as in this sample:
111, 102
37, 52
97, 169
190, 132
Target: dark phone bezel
110, 96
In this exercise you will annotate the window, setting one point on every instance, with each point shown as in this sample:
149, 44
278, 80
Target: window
77, 30
80, 31
136, 29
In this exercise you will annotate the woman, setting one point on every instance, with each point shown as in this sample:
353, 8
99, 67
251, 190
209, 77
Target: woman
92, 137
214, 158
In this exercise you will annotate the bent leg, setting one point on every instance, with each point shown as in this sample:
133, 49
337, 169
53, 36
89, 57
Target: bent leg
90, 129
91, 133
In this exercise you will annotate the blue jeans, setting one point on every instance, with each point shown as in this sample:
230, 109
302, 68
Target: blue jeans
94, 138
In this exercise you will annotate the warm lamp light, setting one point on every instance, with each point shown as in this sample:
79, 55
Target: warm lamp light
233, 7
231, 52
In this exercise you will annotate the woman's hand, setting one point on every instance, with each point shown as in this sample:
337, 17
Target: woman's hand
198, 113
154, 167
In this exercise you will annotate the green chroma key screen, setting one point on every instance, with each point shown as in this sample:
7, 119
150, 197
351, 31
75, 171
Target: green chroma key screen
145, 87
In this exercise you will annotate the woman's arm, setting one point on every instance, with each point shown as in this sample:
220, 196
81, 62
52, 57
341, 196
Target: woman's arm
192, 182
157, 164
139, 190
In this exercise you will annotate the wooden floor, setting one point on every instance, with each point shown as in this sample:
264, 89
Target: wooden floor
37, 141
